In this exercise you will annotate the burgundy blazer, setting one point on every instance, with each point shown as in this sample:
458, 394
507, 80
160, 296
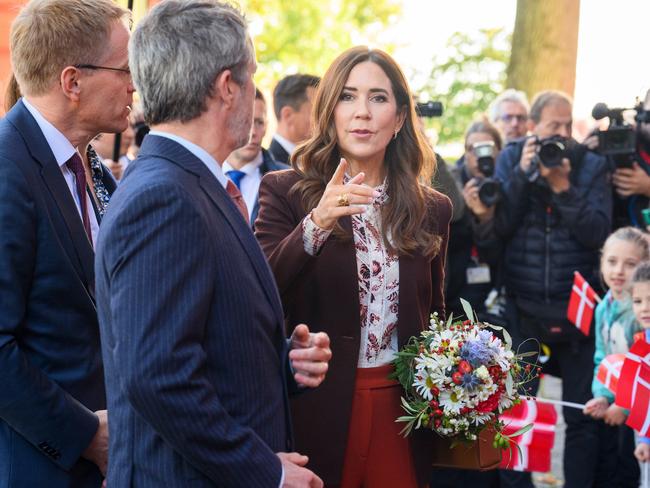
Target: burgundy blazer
323, 292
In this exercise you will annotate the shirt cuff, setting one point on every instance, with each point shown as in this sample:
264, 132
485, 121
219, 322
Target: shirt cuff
313, 237
644, 440
281, 478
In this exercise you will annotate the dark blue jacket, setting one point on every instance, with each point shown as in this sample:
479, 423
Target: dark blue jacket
51, 373
268, 164
192, 332
549, 236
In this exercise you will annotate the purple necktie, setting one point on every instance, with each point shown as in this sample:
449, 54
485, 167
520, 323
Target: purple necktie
76, 165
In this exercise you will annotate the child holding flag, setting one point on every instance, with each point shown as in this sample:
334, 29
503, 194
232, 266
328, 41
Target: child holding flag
615, 326
641, 307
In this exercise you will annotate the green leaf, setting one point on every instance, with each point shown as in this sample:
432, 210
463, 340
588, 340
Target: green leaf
467, 308
521, 431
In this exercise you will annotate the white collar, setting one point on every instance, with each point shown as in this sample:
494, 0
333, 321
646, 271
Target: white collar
248, 168
59, 144
199, 152
287, 145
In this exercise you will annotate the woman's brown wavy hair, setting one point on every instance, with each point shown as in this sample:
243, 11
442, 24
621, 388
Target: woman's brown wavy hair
409, 160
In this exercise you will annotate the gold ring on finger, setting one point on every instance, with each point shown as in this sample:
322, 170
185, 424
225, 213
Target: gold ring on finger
343, 200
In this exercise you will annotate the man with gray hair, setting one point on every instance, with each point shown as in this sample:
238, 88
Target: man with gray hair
509, 112
197, 362
70, 61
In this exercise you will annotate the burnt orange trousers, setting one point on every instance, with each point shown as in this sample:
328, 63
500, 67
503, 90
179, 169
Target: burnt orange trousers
376, 455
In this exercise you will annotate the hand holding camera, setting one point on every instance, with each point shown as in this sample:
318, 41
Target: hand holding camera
471, 195
551, 156
631, 181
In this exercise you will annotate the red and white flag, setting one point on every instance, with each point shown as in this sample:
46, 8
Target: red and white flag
639, 418
581, 304
536, 444
609, 371
627, 382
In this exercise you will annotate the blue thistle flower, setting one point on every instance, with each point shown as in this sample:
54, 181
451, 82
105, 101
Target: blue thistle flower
476, 353
469, 381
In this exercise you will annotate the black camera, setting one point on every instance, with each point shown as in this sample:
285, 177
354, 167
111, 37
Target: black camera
429, 109
619, 141
551, 151
488, 188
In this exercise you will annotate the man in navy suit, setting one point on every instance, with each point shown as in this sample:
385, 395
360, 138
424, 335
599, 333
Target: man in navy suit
292, 102
248, 164
193, 340
70, 61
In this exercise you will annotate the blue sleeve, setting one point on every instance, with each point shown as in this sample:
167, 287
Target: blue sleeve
597, 388
643, 440
164, 349
515, 186
586, 208
31, 403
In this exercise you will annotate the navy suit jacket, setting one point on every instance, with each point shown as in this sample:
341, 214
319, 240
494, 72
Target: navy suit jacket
279, 153
51, 373
268, 164
192, 332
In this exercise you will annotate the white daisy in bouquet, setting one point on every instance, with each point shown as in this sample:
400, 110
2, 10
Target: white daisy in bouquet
458, 377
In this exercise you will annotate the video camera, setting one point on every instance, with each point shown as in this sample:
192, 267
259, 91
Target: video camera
488, 187
619, 141
429, 109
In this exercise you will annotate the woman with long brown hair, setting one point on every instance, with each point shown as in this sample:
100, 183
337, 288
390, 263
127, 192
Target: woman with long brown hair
357, 243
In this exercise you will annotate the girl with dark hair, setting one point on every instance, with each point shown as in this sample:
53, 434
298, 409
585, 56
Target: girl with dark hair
357, 243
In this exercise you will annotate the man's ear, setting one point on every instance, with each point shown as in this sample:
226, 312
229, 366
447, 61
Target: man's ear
225, 88
70, 81
286, 113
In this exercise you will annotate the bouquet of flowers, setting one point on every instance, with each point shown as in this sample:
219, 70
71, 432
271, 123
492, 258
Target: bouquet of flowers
458, 377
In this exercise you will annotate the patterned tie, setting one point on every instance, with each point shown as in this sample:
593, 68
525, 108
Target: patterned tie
236, 176
76, 165
235, 194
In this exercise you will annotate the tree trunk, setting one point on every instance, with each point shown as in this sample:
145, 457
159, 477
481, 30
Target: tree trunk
544, 46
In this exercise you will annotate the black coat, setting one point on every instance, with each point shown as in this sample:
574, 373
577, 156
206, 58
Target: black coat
278, 152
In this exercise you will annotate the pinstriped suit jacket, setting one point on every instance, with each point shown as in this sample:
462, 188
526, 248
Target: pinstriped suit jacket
192, 332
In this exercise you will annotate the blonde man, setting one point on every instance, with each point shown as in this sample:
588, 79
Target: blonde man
70, 62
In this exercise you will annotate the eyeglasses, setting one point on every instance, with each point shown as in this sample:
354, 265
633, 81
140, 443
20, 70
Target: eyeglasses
92, 66
510, 117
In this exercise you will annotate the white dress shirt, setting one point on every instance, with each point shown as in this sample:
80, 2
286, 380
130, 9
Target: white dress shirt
63, 150
249, 185
199, 152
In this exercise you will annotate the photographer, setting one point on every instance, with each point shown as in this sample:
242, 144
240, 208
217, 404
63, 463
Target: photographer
554, 216
632, 181
474, 251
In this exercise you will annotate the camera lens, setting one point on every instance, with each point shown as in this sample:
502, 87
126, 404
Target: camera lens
488, 192
551, 152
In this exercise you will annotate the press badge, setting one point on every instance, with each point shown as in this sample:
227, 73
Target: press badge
477, 275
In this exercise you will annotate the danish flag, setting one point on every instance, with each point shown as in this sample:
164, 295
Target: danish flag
581, 304
609, 371
536, 444
633, 390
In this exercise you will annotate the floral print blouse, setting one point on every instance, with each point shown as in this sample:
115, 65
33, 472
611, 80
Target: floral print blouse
378, 277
